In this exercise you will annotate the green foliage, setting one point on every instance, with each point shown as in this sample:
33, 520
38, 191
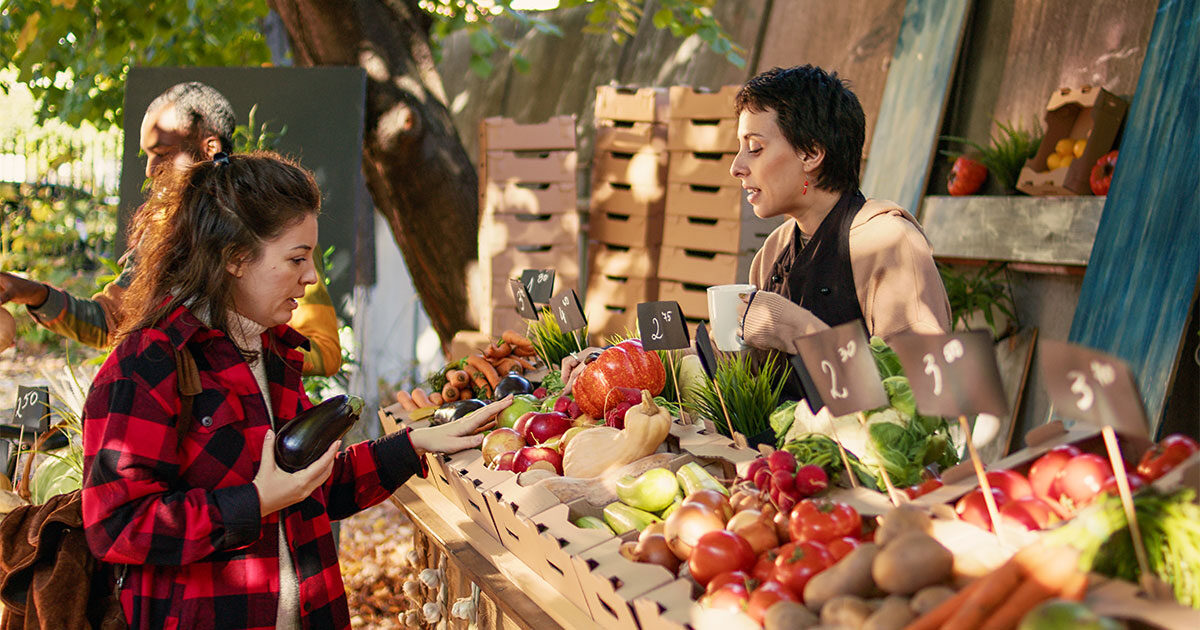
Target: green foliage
75, 54
684, 18
254, 137
982, 292
550, 341
749, 395
1005, 154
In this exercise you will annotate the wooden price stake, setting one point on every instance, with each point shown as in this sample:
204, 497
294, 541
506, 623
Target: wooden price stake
708, 361
540, 283
839, 365
522, 300
569, 314
661, 327
956, 375
1090, 386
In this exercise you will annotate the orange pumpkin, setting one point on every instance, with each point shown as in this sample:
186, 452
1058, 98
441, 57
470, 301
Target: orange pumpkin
623, 365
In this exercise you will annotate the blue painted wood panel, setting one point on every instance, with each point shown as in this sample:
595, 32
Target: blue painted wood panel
914, 99
1146, 257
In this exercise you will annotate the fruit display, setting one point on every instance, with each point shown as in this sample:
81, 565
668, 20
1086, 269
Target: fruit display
491, 375
1065, 152
624, 365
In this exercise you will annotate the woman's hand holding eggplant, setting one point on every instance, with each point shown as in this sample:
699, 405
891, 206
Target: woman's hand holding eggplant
460, 434
278, 489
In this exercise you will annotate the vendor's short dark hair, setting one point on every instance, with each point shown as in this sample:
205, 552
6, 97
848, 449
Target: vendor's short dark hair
207, 111
813, 108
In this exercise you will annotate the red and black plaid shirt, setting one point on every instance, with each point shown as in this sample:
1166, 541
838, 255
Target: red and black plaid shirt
183, 513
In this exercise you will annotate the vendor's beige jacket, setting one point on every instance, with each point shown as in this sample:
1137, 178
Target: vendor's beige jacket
898, 285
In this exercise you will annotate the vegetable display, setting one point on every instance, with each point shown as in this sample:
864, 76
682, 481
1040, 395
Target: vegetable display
623, 365
598, 449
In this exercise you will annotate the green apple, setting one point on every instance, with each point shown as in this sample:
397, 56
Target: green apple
521, 405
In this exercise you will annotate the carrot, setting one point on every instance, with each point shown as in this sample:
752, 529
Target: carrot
485, 368
405, 400
436, 398
934, 619
995, 587
502, 350
1076, 587
1029, 594
506, 365
516, 340
523, 363
450, 392
419, 397
458, 378
479, 381
1057, 568
521, 351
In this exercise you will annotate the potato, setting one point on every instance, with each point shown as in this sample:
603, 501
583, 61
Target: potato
850, 576
893, 614
929, 598
846, 610
787, 615
901, 520
911, 562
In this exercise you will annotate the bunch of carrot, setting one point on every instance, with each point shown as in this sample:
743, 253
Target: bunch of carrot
476, 373
1000, 599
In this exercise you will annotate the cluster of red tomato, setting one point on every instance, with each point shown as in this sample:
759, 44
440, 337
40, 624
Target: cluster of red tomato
819, 533
1064, 480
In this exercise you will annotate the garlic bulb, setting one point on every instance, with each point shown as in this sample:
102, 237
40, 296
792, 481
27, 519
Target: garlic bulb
431, 577
432, 611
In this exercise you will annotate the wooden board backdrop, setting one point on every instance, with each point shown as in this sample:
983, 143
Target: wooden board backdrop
1144, 265
914, 99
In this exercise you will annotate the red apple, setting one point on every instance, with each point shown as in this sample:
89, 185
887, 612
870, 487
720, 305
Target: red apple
540, 427
973, 509
1029, 512
530, 454
505, 461
1013, 484
522, 421
1083, 477
1043, 471
500, 441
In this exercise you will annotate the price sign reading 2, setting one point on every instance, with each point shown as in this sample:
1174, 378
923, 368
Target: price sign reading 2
661, 326
834, 390
842, 371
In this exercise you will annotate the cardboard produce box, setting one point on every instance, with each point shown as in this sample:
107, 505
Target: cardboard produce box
711, 136
702, 266
511, 506
692, 297
623, 261
731, 236
631, 230
644, 170
1087, 112
631, 104
529, 197
500, 318
714, 202
668, 607
498, 133
561, 257
691, 102
469, 478
498, 232
625, 199
610, 583
614, 135
609, 320
529, 166
558, 540
606, 289
701, 168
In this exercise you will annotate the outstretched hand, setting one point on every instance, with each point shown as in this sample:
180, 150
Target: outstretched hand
21, 290
572, 367
460, 434
278, 489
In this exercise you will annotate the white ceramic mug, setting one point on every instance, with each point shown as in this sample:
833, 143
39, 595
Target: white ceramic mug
723, 317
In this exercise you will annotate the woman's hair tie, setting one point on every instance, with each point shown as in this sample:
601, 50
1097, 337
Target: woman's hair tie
221, 158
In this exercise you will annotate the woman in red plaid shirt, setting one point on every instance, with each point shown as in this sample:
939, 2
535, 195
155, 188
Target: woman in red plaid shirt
210, 532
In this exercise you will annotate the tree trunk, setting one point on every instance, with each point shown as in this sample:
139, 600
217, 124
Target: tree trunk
416, 168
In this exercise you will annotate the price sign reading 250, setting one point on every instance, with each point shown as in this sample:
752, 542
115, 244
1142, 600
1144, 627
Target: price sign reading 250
661, 326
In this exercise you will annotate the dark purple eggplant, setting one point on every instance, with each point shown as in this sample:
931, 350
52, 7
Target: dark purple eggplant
512, 384
306, 438
452, 411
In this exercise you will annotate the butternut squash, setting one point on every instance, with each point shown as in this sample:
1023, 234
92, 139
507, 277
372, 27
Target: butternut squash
596, 450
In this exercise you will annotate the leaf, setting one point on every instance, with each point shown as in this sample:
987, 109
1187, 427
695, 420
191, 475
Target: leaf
480, 66
736, 59
483, 43
663, 18
521, 64
28, 32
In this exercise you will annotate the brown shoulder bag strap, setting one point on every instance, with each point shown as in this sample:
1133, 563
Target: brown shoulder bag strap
188, 382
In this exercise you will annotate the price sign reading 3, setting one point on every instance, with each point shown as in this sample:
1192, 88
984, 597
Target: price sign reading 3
1091, 386
952, 375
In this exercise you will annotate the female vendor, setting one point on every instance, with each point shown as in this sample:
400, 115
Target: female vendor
841, 257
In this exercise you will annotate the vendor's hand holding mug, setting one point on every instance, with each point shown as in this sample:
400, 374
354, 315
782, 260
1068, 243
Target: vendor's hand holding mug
726, 311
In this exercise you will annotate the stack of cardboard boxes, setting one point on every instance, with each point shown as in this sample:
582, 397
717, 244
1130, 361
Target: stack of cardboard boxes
625, 219
529, 218
710, 232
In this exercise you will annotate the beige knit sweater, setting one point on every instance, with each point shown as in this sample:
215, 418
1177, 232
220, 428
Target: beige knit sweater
898, 285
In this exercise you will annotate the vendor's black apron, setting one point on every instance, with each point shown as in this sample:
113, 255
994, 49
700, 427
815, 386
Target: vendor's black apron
818, 276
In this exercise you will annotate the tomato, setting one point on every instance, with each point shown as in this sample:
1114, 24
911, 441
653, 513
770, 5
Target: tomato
923, 488
1136, 482
1044, 471
1081, 479
1102, 172
767, 595
731, 577
1029, 512
1170, 452
966, 176
823, 520
731, 597
973, 509
1014, 485
839, 547
764, 567
798, 562
717, 552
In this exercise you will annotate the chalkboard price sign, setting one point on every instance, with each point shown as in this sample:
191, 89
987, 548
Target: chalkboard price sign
661, 326
540, 283
567, 310
842, 369
952, 375
704, 350
521, 300
1092, 386
33, 407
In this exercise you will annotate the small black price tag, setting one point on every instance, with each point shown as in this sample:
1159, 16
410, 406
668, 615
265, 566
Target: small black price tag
952, 375
661, 326
33, 407
567, 310
6, 457
1094, 387
521, 300
540, 283
842, 369
704, 350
